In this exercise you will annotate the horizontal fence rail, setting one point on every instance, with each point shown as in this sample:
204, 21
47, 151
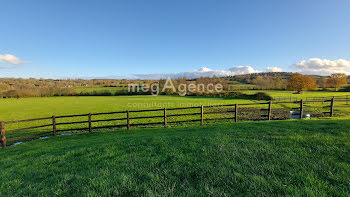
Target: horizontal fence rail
235, 112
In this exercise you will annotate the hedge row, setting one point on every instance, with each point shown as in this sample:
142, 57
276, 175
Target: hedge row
225, 94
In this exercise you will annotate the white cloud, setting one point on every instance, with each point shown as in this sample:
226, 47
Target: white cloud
317, 66
240, 70
274, 69
11, 61
203, 72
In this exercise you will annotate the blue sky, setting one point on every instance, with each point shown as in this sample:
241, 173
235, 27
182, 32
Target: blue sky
58, 39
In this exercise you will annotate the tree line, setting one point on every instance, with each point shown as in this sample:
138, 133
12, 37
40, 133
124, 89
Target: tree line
18, 87
299, 82
293, 81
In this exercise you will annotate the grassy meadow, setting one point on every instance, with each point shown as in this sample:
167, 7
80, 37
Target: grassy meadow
24, 108
27, 108
288, 158
241, 87
91, 89
221, 158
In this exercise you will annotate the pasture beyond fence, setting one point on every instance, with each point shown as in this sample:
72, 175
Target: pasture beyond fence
234, 112
310, 98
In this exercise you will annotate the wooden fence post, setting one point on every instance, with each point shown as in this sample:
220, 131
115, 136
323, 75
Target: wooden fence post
202, 114
165, 118
3, 135
90, 126
128, 120
236, 112
270, 111
301, 108
54, 125
332, 108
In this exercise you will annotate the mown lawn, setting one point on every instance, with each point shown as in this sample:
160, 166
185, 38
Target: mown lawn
299, 158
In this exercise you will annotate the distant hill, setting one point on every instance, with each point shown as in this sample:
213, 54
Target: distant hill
248, 78
270, 74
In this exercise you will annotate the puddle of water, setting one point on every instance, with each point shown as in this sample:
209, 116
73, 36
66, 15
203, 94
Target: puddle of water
66, 134
40, 138
17, 143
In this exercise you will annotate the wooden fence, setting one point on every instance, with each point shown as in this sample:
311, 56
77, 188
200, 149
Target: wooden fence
236, 110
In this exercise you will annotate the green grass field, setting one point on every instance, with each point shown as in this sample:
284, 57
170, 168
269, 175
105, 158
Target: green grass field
240, 87
24, 108
27, 108
276, 158
90, 89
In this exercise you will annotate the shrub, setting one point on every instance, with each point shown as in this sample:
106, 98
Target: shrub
261, 96
236, 94
345, 89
